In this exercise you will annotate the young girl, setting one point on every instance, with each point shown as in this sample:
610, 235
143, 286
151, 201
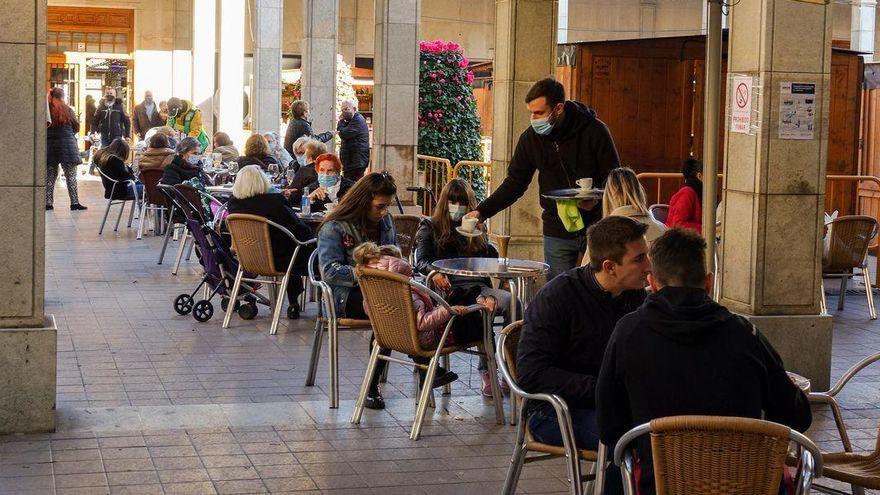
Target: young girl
431, 319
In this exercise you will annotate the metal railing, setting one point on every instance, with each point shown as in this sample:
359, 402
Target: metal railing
436, 172
660, 177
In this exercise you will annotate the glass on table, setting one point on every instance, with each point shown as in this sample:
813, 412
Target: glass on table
291, 173
273, 170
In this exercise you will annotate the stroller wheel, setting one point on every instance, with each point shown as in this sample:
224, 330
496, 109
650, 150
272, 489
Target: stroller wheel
183, 304
203, 310
224, 304
247, 311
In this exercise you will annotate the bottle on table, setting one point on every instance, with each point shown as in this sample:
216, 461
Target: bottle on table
305, 203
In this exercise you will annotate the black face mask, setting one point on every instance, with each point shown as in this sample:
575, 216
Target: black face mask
110, 98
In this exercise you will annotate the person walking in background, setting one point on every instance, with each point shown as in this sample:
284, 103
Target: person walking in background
223, 144
355, 136
301, 125
110, 118
686, 206
91, 108
146, 116
565, 142
185, 118
61, 148
163, 111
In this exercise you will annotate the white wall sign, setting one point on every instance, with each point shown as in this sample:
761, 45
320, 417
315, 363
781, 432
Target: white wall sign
741, 105
797, 110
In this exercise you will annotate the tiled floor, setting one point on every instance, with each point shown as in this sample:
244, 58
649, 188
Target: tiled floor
153, 402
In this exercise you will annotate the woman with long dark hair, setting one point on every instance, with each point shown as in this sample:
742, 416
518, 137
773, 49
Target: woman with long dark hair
61, 149
111, 160
437, 239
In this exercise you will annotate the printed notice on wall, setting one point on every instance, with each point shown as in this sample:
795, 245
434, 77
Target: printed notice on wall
797, 110
741, 106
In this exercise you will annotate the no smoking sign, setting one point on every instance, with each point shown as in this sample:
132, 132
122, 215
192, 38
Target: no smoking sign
741, 106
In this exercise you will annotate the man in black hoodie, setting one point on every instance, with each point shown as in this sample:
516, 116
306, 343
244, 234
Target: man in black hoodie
564, 143
110, 118
681, 353
569, 322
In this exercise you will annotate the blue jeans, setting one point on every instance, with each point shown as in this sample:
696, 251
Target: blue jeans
562, 254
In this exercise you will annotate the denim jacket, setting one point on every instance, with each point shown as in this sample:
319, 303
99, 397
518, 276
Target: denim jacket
336, 241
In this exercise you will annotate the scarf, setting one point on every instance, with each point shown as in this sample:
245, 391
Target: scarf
696, 185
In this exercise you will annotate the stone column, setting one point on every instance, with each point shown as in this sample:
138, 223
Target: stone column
27, 336
204, 51
396, 91
348, 16
181, 57
319, 62
232, 70
525, 52
863, 27
774, 188
266, 90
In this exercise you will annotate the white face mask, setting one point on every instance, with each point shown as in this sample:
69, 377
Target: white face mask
456, 211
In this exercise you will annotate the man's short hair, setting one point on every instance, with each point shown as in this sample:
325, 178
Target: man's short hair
315, 148
678, 258
549, 88
351, 101
607, 239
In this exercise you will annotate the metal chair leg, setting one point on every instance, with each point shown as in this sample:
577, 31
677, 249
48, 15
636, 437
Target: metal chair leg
142, 219
279, 303
447, 389
423, 398
316, 344
232, 297
104, 220
119, 217
169, 229
131, 211
333, 349
600, 466
368, 376
869, 292
842, 298
180, 249
488, 348
515, 469
822, 302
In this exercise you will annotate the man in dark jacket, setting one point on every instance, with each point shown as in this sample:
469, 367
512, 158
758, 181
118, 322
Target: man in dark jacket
301, 125
355, 148
110, 118
146, 115
681, 353
570, 321
564, 143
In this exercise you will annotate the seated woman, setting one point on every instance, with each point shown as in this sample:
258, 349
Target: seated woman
331, 186
625, 197
299, 152
306, 174
250, 194
256, 152
157, 156
686, 206
437, 239
186, 164
223, 145
111, 161
277, 150
362, 216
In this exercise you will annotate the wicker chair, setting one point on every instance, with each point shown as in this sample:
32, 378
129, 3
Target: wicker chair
859, 470
250, 240
406, 226
505, 354
850, 237
152, 200
715, 455
329, 323
389, 298
660, 212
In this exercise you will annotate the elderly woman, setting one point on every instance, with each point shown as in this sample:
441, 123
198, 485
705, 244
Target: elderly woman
299, 152
186, 164
251, 194
330, 186
157, 156
307, 174
223, 145
256, 152
275, 149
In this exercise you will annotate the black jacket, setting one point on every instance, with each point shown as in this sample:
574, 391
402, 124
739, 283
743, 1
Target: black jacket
354, 152
262, 161
318, 204
567, 327
298, 128
61, 145
682, 353
273, 207
111, 121
178, 171
428, 251
305, 176
580, 146
116, 169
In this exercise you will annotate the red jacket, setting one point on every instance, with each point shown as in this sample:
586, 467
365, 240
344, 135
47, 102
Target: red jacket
685, 210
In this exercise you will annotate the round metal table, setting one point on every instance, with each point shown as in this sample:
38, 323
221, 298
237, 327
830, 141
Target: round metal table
520, 274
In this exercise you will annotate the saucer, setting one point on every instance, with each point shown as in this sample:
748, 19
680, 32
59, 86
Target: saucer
475, 233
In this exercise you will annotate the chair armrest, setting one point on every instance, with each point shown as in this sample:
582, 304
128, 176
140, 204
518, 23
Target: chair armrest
850, 373
473, 308
434, 296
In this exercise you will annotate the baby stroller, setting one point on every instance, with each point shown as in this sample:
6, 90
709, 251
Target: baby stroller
216, 259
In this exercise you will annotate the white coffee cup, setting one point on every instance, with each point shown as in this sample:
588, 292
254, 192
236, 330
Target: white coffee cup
585, 183
469, 224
